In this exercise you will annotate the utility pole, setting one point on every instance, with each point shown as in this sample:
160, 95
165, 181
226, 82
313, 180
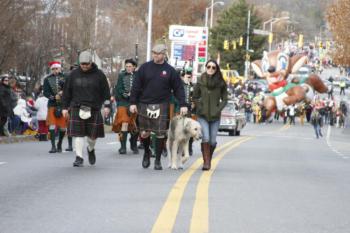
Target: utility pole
247, 48
136, 52
211, 13
149, 29
96, 26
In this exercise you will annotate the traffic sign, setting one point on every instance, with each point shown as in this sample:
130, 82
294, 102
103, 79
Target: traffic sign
261, 32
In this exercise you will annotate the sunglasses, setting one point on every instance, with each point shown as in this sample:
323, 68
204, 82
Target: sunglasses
211, 67
85, 63
5, 80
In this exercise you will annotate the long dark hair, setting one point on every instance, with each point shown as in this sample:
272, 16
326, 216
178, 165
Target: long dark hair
217, 74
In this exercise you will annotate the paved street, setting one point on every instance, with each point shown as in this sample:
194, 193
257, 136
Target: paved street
273, 178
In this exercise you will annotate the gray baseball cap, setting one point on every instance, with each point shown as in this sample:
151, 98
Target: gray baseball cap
159, 48
85, 57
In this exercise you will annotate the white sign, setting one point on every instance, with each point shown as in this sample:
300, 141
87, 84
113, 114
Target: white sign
187, 33
261, 32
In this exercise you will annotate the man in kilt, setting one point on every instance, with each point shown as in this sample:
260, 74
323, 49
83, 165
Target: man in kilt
84, 93
125, 122
151, 90
53, 89
188, 87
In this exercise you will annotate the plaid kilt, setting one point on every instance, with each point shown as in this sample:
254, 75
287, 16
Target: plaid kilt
158, 126
92, 127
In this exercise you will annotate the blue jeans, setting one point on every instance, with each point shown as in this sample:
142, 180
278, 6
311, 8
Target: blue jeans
318, 131
209, 130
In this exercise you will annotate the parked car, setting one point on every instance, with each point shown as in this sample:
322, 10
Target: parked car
232, 119
232, 75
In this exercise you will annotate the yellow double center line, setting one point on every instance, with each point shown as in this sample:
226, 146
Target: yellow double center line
200, 217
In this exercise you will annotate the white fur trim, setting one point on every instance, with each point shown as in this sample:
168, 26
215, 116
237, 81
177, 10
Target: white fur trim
56, 65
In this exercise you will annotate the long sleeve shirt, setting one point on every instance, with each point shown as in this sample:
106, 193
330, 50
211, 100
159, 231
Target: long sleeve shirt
154, 84
86, 88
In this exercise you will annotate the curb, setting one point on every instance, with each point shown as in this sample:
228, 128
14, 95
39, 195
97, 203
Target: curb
17, 139
30, 138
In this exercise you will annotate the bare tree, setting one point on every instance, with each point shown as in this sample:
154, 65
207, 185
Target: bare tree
337, 15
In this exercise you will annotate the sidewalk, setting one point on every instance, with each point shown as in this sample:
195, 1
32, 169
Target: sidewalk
17, 138
30, 138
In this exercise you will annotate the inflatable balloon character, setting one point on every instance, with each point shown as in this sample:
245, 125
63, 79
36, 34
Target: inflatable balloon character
276, 67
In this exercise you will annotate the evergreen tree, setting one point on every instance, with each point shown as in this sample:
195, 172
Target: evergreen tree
231, 25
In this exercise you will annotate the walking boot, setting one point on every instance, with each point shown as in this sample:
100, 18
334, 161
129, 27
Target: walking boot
79, 162
206, 156
146, 161
60, 139
92, 156
190, 150
159, 149
52, 139
70, 144
212, 149
133, 143
122, 138
140, 146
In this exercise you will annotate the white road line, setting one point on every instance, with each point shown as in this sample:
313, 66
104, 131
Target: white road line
328, 133
111, 143
2, 163
329, 144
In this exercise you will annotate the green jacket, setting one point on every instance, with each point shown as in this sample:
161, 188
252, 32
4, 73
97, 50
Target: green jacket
210, 97
122, 89
52, 85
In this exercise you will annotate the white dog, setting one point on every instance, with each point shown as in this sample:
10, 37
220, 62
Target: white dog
181, 129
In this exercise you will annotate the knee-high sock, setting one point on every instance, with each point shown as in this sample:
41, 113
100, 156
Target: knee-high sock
79, 145
91, 143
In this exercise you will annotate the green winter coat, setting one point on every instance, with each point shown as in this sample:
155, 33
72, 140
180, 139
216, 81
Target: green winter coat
53, 85
210, 97
120, 91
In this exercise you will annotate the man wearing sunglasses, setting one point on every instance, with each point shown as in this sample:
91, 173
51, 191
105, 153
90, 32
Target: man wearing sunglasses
53, 89
152, 88
84, 93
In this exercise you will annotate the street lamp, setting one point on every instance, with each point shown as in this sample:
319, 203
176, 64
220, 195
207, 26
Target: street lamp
211, 15
272, 21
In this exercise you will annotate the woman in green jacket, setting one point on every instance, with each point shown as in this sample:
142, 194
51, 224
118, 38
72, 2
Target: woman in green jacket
210, 97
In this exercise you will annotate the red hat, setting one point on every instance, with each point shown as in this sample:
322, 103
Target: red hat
30, 102
55, 64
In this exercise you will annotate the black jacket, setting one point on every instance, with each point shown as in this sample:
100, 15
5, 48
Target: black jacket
86, 88
154, 84
5, 101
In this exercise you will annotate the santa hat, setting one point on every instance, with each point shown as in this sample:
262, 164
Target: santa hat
55, 64
30, 102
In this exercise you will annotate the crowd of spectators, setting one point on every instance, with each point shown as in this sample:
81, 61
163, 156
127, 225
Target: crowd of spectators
250, 98
26, 115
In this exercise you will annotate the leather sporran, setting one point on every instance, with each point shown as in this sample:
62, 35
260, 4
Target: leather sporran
153, 111
84, 112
